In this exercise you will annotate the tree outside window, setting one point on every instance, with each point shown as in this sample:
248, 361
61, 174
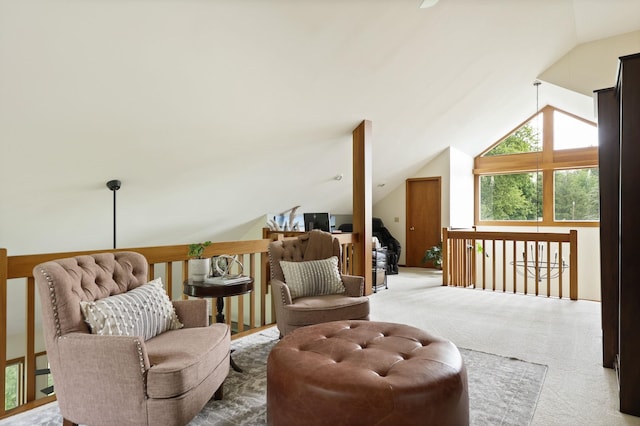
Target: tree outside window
516, 196
577, 195
525, 139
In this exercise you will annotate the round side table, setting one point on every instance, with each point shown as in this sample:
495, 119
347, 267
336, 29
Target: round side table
219, 291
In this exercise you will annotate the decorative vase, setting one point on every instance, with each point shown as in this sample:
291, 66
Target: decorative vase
198, 268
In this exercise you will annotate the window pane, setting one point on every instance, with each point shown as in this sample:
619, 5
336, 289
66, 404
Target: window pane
569, 132
522, 140
576, 195
515, 196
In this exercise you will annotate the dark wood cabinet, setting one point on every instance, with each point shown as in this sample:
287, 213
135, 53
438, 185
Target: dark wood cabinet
609, 163
619, 146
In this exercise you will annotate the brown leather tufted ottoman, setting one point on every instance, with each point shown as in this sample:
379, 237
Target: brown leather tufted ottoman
365, 373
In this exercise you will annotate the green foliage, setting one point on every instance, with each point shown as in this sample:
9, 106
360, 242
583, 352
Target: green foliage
515, 196
434, 255
11, 387
522, 140
196, 250
577, 194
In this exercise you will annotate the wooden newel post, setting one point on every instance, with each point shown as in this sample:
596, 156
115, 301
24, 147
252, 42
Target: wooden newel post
445, 256
573, 264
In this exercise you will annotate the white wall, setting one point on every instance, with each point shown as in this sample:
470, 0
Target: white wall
461, 189
394, 205
592, 66
455, 168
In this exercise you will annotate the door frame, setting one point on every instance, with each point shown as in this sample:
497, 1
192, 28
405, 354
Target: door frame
408, 206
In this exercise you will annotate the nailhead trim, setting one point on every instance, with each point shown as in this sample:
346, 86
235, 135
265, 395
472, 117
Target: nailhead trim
143, 371
54, 301
282, 292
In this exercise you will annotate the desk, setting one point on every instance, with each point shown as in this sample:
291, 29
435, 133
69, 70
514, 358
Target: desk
219, 291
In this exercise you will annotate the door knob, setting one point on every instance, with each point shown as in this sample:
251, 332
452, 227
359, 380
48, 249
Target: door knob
412, 229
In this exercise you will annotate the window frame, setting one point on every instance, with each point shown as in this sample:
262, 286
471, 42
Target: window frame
546, 161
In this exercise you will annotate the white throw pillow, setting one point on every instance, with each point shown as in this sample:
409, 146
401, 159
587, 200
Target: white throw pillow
145, 311
313, 277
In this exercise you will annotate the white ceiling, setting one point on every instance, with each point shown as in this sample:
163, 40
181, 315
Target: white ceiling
215, 113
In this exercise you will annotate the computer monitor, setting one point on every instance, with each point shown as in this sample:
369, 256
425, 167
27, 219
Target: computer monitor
320, 221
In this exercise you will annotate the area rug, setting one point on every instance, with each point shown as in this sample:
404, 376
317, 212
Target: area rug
502, 391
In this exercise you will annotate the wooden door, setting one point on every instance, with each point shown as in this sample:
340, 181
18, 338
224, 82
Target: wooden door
423, 219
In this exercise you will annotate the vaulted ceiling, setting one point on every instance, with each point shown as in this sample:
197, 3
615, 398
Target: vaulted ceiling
214, 113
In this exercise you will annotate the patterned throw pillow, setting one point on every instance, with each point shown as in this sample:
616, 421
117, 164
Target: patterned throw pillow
313, 277
145, 311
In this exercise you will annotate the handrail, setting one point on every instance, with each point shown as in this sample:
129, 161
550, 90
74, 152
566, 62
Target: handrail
163, 261
527, 255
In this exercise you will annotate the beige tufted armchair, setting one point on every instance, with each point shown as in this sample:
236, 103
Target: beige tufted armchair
123, 379
293, 312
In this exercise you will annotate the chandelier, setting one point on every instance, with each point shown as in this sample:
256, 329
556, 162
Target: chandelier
535, 265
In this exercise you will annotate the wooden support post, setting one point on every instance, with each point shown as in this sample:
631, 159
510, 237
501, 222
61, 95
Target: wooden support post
573, 265
474, 263
3, 324
30, 358
252, 295
445, 257
168, 271
493, 264
504, 265
362, 203
185, 275
484, 266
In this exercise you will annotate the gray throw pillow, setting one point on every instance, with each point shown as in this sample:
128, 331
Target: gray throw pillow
145, 311
313, 277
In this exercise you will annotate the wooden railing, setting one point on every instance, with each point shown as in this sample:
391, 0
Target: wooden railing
517, 262
248, 313
168, 262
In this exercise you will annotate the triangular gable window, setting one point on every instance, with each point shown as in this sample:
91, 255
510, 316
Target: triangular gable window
525, 179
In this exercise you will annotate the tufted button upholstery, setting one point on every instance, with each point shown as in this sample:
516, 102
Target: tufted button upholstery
90, 278
294, 251
365, 373
115, 380
294, 313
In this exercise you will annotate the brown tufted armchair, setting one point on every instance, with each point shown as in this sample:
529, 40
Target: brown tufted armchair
123, 379
294, 312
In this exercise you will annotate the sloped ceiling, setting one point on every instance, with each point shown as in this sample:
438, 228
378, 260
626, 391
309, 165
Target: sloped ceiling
215, 113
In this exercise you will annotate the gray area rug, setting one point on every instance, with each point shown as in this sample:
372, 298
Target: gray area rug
502, 391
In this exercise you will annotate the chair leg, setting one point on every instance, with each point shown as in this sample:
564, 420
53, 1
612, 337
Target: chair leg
219, 393
66, 422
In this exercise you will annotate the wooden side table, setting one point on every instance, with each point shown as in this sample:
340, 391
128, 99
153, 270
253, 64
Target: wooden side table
219, 291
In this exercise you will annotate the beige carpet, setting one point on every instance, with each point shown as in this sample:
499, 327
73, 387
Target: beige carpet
562, 334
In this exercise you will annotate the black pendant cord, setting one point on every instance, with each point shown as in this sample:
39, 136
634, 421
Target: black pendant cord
114, 185
114, 219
